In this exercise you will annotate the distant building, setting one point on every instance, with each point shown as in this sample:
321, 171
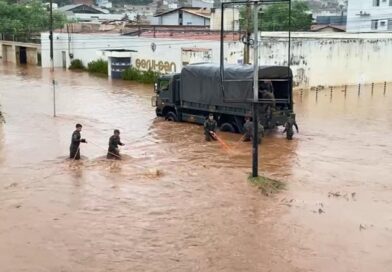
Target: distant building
331, 20
84, 2
185, 16
104, 4
202, 3
328, 28
85, 13
369, 16
82, 8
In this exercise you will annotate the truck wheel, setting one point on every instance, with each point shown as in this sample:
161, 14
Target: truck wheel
171, 116
227, 127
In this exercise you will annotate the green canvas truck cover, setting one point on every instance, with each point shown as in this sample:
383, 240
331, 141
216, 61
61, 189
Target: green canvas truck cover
201, 83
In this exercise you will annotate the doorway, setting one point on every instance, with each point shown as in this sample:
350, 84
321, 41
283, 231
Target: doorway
22, 55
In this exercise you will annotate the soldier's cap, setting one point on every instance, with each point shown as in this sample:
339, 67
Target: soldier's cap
116, 131
78, 125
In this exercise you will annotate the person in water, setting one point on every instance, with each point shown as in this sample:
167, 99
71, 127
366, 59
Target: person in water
74, 149
210, 127
114, 142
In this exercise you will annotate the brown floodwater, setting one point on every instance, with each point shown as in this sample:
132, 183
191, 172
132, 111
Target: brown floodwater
176, 203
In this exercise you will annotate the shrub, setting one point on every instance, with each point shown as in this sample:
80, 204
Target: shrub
131, 74
147, 77
98, 66
76, 64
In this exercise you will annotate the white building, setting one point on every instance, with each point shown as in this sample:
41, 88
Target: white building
202, 3
185, 16
369, 16
104, 4
326, 59
231, 19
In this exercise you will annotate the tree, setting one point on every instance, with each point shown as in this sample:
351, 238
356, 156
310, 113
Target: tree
28, 18
275, 17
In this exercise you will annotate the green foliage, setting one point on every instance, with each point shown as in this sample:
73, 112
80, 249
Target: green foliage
98, 66
266, 185
131, 74
275, 17
147, 77
76, 64
27, 18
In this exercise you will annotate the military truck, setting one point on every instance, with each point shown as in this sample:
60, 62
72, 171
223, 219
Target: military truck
197, 91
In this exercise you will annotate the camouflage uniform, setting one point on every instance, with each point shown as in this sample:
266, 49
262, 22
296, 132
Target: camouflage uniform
74, 150
288, 127
248, 129
113, 151
209, 125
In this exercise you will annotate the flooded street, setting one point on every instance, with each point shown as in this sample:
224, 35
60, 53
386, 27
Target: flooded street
177, 203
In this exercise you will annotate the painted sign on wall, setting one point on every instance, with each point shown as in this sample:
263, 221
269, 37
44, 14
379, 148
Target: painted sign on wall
161, 66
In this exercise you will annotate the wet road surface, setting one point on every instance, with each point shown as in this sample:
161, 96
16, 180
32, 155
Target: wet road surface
198, 213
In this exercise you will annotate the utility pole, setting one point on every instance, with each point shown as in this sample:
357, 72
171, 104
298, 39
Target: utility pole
51, 55
255, 149
51, 34
248, 33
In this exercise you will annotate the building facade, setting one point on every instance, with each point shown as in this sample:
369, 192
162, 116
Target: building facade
369, 16
317, 59
185, 16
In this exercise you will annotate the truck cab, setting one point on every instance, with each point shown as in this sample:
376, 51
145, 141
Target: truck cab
167, 89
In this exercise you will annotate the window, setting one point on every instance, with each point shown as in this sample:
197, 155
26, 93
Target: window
163, 84
374, 24
390, 3
382, 23
376, 3
390, 24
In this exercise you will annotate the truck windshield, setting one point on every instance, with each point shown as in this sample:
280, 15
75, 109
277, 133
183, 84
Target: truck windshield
163, 85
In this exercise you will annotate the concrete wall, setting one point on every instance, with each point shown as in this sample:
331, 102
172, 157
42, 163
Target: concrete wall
230, 16
316, 58
10, 52
31, 54
332, 58
363, 23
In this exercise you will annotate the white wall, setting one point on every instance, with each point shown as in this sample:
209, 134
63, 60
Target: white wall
190, 19
87, 47
381, 13
170, 18
332, 58
231, 19
317, 58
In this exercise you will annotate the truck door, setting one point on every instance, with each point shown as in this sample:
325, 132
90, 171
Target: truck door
176, 88
164, 93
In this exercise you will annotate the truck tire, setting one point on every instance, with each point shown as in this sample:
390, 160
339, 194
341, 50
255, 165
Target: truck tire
171, 116
227, 127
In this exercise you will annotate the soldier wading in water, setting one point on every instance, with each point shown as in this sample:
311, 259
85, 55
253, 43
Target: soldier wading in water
288, 127
210, 127
74, 149
114, 142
